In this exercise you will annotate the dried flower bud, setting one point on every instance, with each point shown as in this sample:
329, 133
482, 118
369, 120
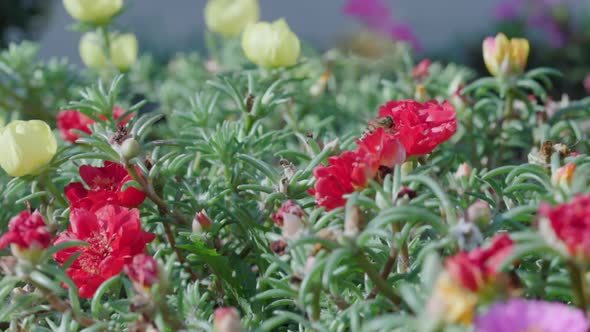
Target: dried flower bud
420, 95
354, 222
407, 192
226, 320
278, 247
143, 271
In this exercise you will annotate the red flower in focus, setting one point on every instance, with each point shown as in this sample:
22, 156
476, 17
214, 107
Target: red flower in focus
27, 230
344, 175
475, 268
571, 224
105, 187
74, 120
114, 236
288, 209
420, 127
382, 150
421, 70
143, 270
353, 169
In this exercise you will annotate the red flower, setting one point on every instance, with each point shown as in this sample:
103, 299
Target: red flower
114, 236
106, 187
344, 175
27, 230
74, 120
420, 127
476, 268
353, 169
287, 210
571, 224
384, 150
143, 270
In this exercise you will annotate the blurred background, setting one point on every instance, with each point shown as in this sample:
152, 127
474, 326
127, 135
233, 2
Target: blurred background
450, 30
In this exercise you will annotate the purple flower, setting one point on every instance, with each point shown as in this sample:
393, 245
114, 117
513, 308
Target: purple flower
519, 315
508, 10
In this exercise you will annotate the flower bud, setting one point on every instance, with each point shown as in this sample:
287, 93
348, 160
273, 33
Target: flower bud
27, 235
504, 56
564, 175
463, 171
201, 222
143, 271
93, 11
420, 95
479, 213
587, 84
129, 149
26, 146
226, 320
271, 44
290, 217
451, 302
421, 70
123, 50
230, 17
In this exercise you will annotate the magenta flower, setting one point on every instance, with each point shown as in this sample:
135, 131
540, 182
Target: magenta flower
520, 315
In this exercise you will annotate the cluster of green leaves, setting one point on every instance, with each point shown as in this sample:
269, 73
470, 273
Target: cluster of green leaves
240, 142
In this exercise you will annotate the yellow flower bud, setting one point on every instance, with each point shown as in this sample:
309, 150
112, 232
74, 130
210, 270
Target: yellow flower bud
451, 302
26, 146
504, 56
93, 11
564, 175
271, 44
230, 17
123, 50
92, 51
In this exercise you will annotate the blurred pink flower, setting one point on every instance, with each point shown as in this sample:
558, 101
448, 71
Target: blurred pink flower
587, 84
376, 15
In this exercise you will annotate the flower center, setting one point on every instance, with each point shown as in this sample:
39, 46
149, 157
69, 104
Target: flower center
97, 250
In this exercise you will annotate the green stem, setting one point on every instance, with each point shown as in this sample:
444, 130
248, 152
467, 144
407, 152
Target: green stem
379, 282
577, 280
249, 123
57, 195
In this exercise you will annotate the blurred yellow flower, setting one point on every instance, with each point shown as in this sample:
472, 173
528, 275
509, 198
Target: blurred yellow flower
123, 50
564, 175
230, 17
451, 302
271, 44
504, 56
93, 11
26, 146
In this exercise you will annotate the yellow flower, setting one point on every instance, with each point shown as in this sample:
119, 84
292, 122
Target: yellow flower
26, 146
451, 302
93, 11
504, 56
92, 50
271, 44
123, 50
230, 17
564, 175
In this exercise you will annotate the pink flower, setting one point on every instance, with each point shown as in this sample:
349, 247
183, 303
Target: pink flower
226, 320
530, 315
587, 84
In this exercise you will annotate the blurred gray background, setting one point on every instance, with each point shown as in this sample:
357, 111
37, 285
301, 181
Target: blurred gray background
165, 26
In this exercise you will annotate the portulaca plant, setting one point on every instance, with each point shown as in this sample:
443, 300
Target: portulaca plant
266, 187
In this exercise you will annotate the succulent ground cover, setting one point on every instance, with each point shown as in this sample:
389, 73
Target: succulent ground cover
268, 187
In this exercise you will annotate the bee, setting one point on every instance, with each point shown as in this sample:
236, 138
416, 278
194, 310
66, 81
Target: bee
385, 123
